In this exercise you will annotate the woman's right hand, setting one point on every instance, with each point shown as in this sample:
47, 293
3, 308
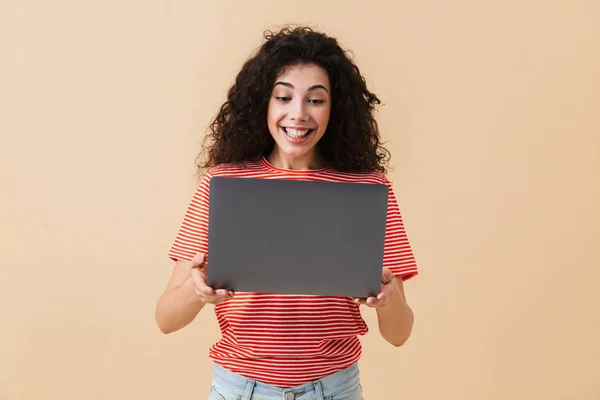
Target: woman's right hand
201, 288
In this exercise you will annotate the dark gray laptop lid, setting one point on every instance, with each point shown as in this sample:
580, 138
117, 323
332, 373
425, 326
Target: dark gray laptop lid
296, 237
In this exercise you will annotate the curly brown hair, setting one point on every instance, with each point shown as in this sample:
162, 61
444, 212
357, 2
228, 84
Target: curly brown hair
239, 132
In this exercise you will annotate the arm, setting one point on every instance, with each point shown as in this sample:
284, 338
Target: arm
186, 292
396, 318
179, 304
186, 295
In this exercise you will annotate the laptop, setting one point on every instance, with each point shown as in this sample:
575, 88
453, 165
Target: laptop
296, 237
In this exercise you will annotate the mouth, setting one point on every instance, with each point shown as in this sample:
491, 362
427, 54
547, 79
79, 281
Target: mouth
297, 133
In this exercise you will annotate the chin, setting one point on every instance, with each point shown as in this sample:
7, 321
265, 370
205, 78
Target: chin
294, 153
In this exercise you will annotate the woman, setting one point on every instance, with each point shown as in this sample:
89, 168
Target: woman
299, 109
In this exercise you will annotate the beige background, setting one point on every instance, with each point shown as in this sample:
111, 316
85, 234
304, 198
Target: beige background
492, 111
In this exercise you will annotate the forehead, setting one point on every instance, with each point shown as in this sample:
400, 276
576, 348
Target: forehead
304, 76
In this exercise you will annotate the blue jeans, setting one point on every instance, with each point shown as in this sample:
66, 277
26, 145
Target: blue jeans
341, 385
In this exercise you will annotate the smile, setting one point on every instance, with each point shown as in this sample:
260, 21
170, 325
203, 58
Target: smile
296, 133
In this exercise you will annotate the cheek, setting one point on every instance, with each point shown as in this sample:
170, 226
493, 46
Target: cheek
271, 116
322, 117
274, 114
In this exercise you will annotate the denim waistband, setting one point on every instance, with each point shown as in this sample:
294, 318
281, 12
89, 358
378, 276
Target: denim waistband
234, 384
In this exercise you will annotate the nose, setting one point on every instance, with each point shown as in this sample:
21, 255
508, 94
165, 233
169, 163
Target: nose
298, 111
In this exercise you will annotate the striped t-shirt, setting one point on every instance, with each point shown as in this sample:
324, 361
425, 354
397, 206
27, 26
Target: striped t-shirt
287, 340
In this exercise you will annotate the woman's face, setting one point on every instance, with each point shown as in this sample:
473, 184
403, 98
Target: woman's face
298, 114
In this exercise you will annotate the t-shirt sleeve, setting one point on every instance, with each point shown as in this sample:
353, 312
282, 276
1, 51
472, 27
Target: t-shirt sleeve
192, 236
397, 253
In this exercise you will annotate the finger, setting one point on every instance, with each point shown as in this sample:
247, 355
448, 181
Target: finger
200, 283
386, 276
213, 299
198, 260
208, 290
197, 277
371, 301
218, 298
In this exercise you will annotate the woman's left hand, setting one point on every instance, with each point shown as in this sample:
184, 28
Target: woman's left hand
389, 288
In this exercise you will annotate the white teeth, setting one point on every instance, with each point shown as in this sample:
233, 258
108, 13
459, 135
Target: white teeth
296, 133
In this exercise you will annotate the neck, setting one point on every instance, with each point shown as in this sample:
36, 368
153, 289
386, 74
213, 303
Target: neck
312, 160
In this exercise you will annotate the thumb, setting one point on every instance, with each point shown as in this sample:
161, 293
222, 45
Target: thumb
387, 276
198, 260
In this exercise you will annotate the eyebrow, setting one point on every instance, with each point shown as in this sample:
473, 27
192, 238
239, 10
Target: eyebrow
314, 87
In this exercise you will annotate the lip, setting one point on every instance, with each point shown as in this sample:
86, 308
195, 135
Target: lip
297, 127
296, 140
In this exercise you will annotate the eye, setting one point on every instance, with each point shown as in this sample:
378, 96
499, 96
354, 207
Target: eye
316, 101
283, 98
